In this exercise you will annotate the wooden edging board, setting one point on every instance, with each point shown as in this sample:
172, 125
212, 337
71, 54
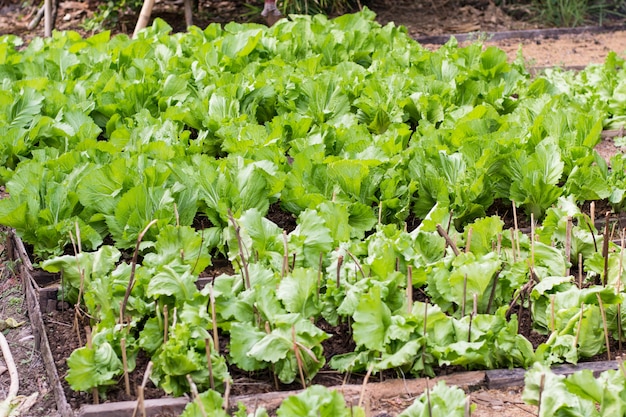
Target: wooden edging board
39, 331
365, 395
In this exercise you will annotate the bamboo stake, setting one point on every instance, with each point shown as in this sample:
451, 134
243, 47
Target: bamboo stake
606, 330
493, 291
319, 276
207, 348
298, 357
365, 380
516, 241
592, 213
144, 16
166, 323
140, 391
580, 270
469, 240
468, 406
195, 396
552, 318
226, 394
339, 263
125, 366
605, 249
216, 340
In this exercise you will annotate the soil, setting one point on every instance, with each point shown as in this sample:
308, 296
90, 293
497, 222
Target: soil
422, 19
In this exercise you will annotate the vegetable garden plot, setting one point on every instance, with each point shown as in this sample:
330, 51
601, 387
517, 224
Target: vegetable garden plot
133, 164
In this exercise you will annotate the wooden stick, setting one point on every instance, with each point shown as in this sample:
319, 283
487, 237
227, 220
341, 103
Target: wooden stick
216, 340
365, 380
605, 249
298, 357
131, 279
339, 263
14, 386
606, 330
532, 241
140, 391
516, 228
513, 246
195, 396
449, 241
144, 16
552, 318
226, 394
469, 239
580, 270
493, 291
166, 323
580, 322
125, 366
207, 348
592, 212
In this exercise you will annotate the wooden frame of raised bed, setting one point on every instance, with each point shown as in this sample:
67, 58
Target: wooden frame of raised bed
42, 300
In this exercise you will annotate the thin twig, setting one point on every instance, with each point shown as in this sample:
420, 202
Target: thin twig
131, 279
606, 330
449, 241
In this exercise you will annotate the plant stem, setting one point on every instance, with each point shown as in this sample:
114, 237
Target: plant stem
216, 340
125, 366
166, 323
207, 346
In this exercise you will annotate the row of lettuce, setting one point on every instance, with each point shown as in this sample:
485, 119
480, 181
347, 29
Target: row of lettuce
352, 129
113, 132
